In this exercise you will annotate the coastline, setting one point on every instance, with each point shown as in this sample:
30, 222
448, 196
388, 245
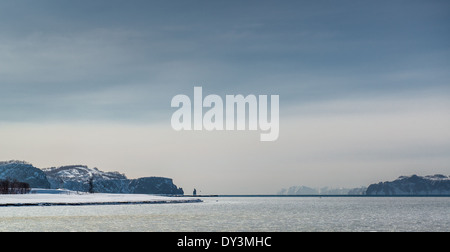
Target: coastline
17, 200
74, 199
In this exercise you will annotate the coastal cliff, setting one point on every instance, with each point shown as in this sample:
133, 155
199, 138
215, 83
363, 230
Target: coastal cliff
85, 179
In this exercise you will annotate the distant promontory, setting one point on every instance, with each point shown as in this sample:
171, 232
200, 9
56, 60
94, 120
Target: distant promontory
413, 185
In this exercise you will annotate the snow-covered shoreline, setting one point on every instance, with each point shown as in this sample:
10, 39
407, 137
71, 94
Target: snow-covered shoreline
74, 199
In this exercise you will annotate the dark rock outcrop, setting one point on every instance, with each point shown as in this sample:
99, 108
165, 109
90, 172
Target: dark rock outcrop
154, 185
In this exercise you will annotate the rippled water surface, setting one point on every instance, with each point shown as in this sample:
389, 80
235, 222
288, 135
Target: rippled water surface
241, 214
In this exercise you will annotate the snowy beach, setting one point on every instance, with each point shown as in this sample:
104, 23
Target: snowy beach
73, 198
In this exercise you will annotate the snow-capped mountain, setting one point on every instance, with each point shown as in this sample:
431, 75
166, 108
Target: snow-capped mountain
80, 173
83, 178
413, 185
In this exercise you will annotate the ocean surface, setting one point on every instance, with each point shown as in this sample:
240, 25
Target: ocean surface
241, 214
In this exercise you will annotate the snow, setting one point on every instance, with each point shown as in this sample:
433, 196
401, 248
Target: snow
437, 177
52, 191
64, 197
81, 173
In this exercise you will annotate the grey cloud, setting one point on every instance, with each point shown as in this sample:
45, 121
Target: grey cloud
52, 52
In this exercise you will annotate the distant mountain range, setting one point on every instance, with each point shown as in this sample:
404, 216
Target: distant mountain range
405, 185
83, 178
304, 190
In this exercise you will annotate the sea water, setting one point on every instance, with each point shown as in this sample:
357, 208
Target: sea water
249, 214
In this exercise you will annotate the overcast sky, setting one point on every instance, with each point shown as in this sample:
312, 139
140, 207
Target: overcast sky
364, 88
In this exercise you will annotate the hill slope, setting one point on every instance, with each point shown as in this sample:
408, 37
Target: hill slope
24, 172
